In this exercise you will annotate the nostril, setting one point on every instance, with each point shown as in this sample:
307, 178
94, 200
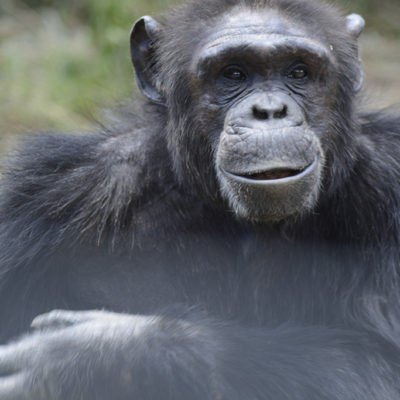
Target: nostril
281, 113
260, 114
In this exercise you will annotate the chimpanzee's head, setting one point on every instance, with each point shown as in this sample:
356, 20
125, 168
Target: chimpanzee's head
258, 95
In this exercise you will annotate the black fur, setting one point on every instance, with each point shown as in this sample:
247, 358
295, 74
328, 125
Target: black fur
130, 219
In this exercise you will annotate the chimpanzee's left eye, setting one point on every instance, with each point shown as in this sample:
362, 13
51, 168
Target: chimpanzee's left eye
299, 73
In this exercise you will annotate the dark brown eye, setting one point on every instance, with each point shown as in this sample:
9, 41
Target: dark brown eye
233, 73
298, 73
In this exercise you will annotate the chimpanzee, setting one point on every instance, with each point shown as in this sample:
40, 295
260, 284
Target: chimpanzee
233, 234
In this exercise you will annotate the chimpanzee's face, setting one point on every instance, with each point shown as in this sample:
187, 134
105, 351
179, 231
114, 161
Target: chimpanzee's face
255, 105
267, 83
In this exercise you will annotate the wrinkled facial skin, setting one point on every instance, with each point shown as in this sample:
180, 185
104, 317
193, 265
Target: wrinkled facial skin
265, 82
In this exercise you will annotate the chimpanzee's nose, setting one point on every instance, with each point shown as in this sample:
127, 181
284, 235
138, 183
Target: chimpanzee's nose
275, 110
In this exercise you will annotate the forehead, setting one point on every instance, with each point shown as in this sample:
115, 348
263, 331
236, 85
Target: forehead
253, 22
264, 31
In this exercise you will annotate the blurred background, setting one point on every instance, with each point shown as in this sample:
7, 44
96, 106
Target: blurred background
64, 61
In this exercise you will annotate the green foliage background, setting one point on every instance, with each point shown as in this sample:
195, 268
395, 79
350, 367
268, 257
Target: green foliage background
61, 61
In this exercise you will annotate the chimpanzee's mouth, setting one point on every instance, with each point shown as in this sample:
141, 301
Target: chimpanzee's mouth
273, 174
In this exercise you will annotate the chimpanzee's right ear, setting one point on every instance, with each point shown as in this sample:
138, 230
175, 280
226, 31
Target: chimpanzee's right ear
142, 38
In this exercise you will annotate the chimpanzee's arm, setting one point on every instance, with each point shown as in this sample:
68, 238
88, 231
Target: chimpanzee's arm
96, 355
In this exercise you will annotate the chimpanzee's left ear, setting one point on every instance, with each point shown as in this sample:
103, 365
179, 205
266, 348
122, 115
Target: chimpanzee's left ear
354, 27
142, 39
